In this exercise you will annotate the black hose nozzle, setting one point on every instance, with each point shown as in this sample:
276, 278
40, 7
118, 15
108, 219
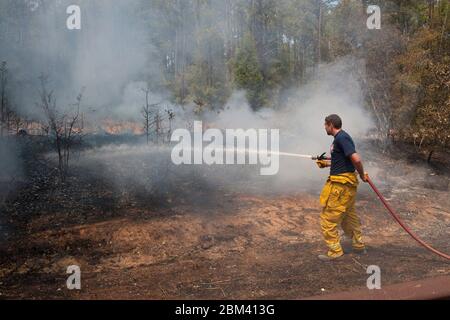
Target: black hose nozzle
321, 157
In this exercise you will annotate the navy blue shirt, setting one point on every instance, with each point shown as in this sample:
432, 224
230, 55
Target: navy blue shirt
341, 150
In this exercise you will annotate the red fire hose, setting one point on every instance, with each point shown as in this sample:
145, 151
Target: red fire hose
397, 218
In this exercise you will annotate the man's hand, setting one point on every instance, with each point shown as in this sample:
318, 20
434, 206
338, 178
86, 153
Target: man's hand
323, 163
364, 177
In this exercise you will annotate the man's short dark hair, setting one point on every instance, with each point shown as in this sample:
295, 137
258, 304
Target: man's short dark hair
335, 120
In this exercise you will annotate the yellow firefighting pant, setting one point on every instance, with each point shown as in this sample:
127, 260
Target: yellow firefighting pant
338, 202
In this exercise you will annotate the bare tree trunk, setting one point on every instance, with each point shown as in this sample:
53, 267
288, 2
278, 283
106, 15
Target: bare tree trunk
157, 126
3, 82
444, 27
319, 35
431, 10
146, 114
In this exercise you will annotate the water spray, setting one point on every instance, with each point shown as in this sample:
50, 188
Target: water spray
279, 153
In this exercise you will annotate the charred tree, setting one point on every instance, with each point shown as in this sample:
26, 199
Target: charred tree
3, 99
146, 114
63, 126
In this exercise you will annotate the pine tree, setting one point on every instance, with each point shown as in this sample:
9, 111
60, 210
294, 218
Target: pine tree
247, 72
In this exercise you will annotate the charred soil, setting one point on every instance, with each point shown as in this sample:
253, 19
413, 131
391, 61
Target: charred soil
211, 243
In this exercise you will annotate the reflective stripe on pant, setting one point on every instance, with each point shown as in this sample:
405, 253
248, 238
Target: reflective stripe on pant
339, 209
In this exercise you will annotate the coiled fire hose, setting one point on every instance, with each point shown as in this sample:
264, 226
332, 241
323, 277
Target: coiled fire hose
400, 222
393, 213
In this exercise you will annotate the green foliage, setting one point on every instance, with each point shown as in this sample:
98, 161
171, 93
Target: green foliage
247, 74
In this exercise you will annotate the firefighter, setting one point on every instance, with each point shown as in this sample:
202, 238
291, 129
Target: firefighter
339, 193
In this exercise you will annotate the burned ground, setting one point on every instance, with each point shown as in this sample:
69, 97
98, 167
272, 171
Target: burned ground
195, 239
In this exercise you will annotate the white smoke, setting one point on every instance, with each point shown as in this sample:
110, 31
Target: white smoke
335, 90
